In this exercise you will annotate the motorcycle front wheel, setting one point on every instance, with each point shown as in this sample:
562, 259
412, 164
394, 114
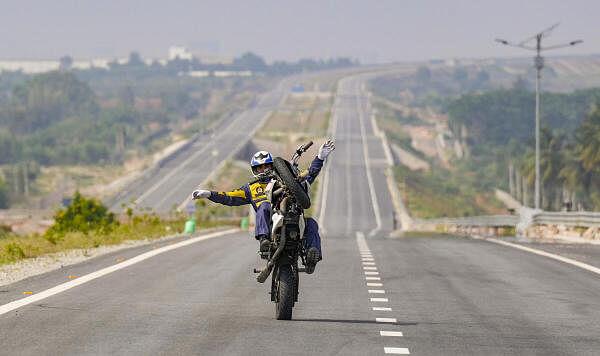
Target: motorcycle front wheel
285, 293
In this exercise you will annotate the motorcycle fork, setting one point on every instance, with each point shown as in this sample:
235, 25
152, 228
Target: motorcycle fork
274, 284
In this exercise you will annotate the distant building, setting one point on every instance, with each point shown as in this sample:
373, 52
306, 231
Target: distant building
180, 52
43, 66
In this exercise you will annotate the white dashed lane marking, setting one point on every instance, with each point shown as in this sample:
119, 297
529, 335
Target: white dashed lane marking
390, 333
382, 300
369, 268
396, 350
382, 309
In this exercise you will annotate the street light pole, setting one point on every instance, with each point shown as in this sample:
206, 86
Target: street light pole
539, 65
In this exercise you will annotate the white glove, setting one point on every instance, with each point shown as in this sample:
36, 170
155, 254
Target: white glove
200, 193
326, 149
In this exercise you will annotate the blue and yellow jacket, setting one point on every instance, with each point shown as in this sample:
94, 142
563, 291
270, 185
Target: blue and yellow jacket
255, 193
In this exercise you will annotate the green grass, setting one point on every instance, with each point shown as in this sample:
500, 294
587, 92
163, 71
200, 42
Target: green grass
14, 248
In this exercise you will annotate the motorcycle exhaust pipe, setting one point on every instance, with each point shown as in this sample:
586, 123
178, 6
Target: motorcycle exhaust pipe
264, 274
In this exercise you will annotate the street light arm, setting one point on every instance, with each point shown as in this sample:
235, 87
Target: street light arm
544, 33
572, 43
510, 44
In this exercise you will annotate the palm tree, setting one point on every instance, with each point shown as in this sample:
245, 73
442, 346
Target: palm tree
587, 152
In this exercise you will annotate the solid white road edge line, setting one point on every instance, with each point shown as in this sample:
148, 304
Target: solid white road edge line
390, 333
104, 271
365, 144
585, 266
396, 350
331, 132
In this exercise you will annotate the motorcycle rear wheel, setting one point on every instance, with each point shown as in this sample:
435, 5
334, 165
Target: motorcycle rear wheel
285, 293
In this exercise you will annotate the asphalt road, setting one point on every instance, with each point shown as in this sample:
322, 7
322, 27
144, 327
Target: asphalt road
429, 295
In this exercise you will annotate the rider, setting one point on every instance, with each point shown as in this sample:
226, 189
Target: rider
256, 195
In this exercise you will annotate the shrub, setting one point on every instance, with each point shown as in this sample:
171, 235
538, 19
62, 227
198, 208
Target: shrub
14, 252
82, 215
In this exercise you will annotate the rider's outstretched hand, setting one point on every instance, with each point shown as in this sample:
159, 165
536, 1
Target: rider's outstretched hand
200, 193
326, 149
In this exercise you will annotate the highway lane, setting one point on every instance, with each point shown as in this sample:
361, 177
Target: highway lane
444, 295
469, 297
357, 189
166, 188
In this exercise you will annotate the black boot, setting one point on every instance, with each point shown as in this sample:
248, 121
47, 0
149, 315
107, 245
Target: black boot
312, 257
265, 244
264, 247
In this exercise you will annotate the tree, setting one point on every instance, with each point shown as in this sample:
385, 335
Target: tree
127, 96
588, 139
48, 98
4, 202
482, 79
250, 61
423, 75
587, 151
521, 84
65, 63
135, 60
461, 75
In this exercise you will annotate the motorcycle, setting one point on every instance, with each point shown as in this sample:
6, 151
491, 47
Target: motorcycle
288, 194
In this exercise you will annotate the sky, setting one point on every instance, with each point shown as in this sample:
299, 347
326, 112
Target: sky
374, 31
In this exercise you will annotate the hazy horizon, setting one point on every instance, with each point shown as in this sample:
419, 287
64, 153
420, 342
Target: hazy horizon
385, 31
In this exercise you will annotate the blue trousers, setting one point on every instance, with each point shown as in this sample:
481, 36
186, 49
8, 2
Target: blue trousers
263, 227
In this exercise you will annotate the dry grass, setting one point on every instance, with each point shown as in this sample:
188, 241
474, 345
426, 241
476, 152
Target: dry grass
304, 116
14, 248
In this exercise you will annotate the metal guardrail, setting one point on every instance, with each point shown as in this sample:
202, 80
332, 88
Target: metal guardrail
580, 218
486, 220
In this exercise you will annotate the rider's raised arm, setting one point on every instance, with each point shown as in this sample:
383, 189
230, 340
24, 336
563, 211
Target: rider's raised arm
232, 198
314, 169
317, 163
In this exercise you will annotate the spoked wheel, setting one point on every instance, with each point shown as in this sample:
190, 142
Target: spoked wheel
285, 293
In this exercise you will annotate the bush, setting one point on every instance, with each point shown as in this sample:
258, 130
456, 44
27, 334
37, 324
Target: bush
5, 231
82, 215
4, 202
14, 252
